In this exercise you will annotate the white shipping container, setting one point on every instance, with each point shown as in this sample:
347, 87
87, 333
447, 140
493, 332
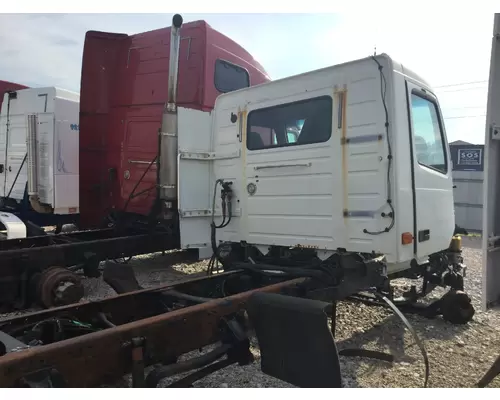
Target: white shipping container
54, 166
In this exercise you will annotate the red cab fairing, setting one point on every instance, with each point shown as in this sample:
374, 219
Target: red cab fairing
8, 87
123, 91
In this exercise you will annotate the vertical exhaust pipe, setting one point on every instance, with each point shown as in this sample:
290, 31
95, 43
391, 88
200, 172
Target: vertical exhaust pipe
32, 152
32, 165
169, 125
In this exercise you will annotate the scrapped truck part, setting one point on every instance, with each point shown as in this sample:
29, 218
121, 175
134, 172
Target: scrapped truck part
32, 150
14, 227
134, 330
122, 110
319, 200
24, 261
169, 124
324, 182
112, 328
310, 168
118, 151
33, 158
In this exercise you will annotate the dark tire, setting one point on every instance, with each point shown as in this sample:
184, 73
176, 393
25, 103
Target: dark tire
457, 308
68, 228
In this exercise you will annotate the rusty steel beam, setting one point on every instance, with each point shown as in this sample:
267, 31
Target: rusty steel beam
99, 357
123, 307
20, 259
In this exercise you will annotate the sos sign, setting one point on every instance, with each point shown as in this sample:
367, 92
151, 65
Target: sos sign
470, 158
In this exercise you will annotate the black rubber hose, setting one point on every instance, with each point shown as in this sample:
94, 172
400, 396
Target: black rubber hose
196, 376
156, 375
185, 296
105, 320
412, 331
287, 271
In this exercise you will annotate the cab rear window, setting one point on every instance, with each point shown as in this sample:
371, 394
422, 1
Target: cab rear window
292, 124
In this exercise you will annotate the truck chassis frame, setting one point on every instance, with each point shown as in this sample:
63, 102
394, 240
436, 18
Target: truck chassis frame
153, 327
135, 342
41, 269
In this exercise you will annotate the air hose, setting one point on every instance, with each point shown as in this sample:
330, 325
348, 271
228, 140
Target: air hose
227, 211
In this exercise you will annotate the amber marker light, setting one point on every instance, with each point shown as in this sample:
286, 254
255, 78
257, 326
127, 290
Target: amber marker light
406, 238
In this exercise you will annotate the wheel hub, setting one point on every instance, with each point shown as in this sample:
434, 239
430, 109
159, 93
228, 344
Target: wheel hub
57, 286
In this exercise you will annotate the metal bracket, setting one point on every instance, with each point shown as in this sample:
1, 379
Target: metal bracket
359, 213
494, 131
493, 243
9, 344
195, 213
130, 50
195, 155
142, 162
361, 139
15, 227
137, 347
43, 378
282, 166
206, 213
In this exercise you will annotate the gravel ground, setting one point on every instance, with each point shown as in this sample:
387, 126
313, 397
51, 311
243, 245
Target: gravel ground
458, 355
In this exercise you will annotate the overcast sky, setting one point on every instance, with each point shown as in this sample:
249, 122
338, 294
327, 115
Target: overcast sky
46, 50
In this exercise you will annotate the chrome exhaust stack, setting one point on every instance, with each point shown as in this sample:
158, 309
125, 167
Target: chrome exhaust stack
32, 166
168, 142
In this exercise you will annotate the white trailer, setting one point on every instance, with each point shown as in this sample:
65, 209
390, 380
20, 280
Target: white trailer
39, 142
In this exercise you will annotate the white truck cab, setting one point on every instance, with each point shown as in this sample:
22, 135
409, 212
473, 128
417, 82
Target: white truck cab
352, 157
43, 155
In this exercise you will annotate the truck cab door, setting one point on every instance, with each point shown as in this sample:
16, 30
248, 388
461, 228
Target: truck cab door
491, 194
431, 169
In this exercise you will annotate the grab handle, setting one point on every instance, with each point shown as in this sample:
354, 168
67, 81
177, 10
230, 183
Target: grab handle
282, 166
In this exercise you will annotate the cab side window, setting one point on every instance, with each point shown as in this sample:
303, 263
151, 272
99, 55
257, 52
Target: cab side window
428, 135
229, 77
293, 124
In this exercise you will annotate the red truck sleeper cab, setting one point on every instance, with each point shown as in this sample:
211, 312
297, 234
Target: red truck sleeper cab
123, 92
9, 87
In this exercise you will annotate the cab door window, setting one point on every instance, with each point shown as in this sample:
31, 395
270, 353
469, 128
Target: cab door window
428, 134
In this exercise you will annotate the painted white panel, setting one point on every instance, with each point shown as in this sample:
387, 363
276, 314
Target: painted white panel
194, 186
58, 146
491, 186
303, 204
